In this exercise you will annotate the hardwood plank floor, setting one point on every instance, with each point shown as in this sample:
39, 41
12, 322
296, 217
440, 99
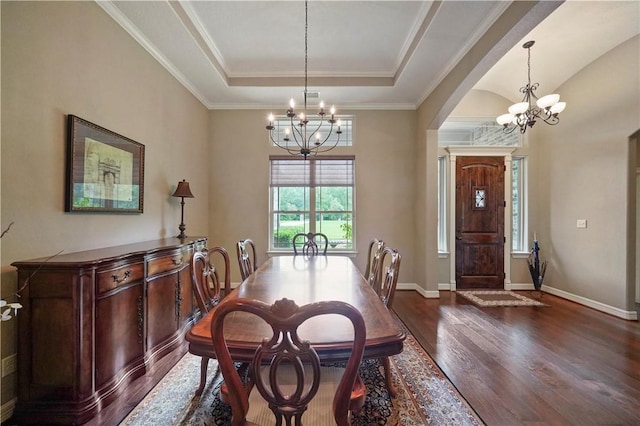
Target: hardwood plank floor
564, 364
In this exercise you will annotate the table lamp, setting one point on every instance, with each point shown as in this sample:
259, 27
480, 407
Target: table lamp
183, 192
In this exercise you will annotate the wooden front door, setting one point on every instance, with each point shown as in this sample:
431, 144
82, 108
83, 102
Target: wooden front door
480, 222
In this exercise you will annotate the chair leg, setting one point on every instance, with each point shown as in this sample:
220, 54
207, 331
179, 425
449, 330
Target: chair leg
204, 365
387, 377
244, 370
358, 395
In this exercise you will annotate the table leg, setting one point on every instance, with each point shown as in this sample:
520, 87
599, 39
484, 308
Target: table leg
387, 377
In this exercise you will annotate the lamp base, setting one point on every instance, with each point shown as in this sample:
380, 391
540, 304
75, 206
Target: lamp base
182, 227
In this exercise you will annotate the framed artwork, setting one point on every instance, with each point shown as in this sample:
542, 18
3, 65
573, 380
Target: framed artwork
105, 170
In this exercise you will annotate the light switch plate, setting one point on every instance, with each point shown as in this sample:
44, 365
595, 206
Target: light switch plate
581, 223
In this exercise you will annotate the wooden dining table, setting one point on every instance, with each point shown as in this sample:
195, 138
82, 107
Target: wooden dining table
305, 280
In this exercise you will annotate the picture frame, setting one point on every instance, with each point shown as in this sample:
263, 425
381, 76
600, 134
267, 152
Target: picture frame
105, 170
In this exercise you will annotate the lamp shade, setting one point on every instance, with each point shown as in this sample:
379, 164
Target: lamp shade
183, 190
548, 101
505, 119
559, 107
518, 108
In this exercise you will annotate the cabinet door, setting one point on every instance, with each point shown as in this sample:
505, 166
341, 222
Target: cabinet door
187, 301
119, 332
162, 309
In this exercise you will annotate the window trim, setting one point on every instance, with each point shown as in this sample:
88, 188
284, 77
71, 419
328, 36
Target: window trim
443, 246
506, 153
523, 206
312, 202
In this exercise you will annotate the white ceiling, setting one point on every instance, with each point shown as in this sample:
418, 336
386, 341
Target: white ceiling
361, 54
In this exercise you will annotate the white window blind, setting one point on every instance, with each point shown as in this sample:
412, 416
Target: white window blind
312, 172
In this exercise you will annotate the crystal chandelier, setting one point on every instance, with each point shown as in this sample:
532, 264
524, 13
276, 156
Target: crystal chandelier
307, 140
524, 114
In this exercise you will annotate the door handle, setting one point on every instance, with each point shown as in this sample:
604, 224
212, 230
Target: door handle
458, 237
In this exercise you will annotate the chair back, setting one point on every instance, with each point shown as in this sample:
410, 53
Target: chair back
285, 349
246, 260
207, 286
311, 244
390, 268
373, 270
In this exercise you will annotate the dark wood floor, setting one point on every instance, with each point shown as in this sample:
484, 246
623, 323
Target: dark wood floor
564, 364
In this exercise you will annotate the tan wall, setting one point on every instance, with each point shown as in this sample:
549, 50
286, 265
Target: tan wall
517, 20
584, 175
576, 169
62, 58
385, 181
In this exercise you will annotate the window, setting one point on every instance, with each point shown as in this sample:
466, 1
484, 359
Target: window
442, 204
518, 207
346, 126
475, 132
313, 195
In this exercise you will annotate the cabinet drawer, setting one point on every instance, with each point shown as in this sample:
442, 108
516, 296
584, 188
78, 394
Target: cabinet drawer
109, 279
167, 262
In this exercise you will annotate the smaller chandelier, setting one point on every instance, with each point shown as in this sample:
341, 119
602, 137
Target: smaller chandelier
524, 114
306, 141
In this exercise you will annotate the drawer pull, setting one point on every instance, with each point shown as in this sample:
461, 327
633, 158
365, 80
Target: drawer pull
177, 260
118, 280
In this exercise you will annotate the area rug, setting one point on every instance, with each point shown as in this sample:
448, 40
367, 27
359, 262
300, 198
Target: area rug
425, 395
493, 298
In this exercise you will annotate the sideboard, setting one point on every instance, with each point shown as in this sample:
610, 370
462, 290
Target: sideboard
94, 321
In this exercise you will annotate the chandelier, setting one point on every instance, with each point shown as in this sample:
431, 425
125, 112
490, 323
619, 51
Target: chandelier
524, 114
307, 140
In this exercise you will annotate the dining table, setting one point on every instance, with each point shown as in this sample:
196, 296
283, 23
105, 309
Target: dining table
305, 279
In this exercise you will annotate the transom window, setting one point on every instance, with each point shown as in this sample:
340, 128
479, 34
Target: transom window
313, 195
475, 132
346, 126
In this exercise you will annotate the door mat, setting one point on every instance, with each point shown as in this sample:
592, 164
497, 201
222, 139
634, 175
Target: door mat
491, 298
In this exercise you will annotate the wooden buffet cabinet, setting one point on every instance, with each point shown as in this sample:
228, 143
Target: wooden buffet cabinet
94, 321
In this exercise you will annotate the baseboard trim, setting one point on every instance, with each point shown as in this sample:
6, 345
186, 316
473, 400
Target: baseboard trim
446, 287
7, 410
611, 310
520, 286
424, 293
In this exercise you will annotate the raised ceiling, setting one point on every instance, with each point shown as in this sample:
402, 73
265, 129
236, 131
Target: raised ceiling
361, 54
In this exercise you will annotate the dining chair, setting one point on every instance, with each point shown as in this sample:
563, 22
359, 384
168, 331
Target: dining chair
246, 261
286, 371
390, 268
309, 244
207, 289
372, 271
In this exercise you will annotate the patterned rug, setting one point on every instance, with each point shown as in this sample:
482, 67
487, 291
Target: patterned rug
425, 395
493, 298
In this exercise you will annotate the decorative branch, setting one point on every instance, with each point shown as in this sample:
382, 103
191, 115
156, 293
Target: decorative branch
6, 230
26, 282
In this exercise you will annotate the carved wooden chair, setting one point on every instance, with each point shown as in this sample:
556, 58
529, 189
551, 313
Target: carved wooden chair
311, 244
246, 260
390, 269
373, 270
207, 289
285, 370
